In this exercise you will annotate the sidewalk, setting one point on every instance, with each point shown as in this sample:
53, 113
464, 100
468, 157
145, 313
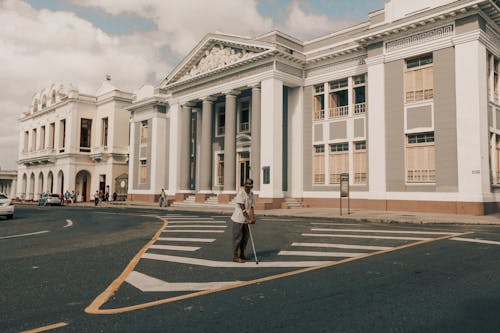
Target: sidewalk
356, 214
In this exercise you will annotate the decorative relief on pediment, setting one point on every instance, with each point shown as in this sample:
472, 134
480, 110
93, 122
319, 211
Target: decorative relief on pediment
419, 38
218, 56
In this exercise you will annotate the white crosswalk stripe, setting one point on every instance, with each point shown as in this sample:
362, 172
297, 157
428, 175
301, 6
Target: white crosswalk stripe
384, 231
365, 236
194, 221
174, 247
191, 218
344, 246
183, 239
200, 231
320, 254
196, 226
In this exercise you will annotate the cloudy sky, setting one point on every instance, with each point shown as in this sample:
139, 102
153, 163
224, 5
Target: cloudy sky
137, 42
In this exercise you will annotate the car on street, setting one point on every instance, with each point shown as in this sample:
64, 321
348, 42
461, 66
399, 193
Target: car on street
51, 199
6, 206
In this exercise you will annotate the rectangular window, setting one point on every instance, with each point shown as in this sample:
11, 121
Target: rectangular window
495, 80
244, 117
319, 165
420, 158
26, 141
220, 121
220, 169
339, 99
339, 161
104, 133
33, 140
85, 134
52, 133
359, 94
42, 138
359, 161
143, 171
144, 132
419, 79
62, 135
319, 102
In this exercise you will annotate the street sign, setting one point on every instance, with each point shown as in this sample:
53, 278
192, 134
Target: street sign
344, 191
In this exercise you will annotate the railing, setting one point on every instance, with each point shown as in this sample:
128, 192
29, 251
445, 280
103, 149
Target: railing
220, 180
339, 111
319, 114
421, 176
360, 177
319, 178
360, 108
419, 95
335, 178
244, 127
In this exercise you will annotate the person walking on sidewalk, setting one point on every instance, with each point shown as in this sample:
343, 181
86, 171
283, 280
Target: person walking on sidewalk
242, 216
96, 197
163, 198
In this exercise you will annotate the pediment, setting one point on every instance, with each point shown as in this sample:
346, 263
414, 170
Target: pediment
215, 54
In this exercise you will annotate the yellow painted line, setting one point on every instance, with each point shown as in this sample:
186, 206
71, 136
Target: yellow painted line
46, 328
94, 307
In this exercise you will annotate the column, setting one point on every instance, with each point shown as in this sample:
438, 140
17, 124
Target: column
271, 139
255, 145
472, 121
184, 145
230, 145
376, 126
206, 146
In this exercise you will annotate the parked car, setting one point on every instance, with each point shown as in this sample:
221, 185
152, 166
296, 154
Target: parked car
51, 199
6, 206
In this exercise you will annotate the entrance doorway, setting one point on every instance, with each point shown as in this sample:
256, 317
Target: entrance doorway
82, 186
243, 166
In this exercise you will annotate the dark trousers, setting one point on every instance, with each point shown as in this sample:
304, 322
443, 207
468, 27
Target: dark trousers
240, 238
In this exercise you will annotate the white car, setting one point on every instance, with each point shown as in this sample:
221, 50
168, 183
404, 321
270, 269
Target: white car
6, 206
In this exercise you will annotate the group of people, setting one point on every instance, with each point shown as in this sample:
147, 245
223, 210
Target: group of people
100, 196
68, 197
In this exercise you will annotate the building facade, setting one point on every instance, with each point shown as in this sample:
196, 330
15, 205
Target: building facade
406, 104
8, 182
71, 141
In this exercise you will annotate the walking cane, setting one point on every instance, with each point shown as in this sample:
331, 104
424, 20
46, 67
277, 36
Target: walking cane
253, 245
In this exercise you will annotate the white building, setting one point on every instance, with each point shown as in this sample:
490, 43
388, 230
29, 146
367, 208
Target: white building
8, 182
71, 141
406, 103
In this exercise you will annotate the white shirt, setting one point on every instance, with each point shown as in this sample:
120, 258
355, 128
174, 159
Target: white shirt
245, 199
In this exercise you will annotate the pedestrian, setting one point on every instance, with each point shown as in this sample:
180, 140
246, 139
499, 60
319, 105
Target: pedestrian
67, 196
115, 196
106, 195
73, 196
96, 197
163, 197
242, 216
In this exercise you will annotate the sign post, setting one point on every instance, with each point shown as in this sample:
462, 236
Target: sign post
344, 191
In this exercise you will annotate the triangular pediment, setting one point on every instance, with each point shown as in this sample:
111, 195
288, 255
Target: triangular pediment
216, 52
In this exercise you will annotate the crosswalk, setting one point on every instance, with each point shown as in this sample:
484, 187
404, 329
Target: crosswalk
318, 243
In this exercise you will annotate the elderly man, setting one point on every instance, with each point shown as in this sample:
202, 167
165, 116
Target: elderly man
242, 216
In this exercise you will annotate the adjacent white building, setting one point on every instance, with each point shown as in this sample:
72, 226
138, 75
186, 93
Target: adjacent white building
72, 141
406, 103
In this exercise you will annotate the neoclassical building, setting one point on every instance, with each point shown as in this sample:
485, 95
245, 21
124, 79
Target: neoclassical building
406, 104
72, 141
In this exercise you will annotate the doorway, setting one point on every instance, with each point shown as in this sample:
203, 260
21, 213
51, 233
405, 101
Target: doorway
243, 166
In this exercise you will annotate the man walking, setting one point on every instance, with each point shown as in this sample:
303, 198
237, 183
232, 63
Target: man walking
163, 197
242, 216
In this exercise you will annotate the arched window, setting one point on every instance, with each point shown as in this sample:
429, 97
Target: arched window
53, 97
44, 101
35, 105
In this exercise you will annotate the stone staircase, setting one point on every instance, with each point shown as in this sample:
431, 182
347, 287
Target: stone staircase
291, 203
211, 202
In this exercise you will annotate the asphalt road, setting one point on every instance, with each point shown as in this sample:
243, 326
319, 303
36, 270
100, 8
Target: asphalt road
56, 261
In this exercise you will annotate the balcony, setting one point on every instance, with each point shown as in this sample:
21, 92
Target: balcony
99, 153
244, 127
360, 108
419, 95
319, 114
43, 156
339, 111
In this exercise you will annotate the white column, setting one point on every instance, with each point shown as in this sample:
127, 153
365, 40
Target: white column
376, 128
296, 143
255, 165
205, 162
174, 161
472, 121
184, 142
132, 167
230, 144
271, 137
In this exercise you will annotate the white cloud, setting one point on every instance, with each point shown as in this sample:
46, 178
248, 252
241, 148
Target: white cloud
306, 25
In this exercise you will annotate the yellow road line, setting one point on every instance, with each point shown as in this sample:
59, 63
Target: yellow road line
94, 308
46, 328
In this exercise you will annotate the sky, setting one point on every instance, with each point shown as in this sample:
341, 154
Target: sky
78, 42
